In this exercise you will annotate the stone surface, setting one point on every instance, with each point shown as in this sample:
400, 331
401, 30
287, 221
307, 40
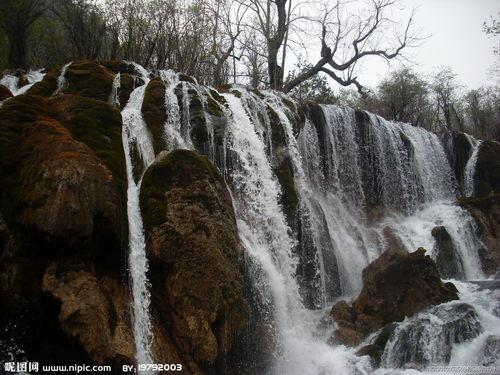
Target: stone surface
447, 260
194, 252
396, 285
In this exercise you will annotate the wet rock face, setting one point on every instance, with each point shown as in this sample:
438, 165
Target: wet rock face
458, 151
447, 259
62, 197
193, 246
4, 93
487, 176
395, 286
486, 212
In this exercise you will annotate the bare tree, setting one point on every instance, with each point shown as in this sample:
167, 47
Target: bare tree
347, 41
16, 19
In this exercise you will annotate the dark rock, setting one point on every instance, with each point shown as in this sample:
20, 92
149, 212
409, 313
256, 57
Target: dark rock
487, 175
486, 212
154, 112
458, 151
89, 79
194, 251
447, 259
4, 93
396, 285
62, 195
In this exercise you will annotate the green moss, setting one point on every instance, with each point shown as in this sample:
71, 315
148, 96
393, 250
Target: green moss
179, 168
154, 112
47, 86
99, 126
289, 198
278, 135
89, 79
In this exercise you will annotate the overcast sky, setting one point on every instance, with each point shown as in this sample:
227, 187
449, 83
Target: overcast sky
456, 39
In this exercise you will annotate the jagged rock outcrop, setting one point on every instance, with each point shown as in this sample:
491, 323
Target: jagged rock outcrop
194, 250
448, 260
396, 285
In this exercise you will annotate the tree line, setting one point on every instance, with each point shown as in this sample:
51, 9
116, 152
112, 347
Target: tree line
216, 41
253, 42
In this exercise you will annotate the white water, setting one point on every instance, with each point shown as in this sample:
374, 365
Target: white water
12, 82
173, 126
396, 166
135, 134
61, 80
114, 98
470, 167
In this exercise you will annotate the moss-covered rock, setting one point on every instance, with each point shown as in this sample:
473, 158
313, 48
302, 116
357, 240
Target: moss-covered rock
89, 79
47, 86
487, 175
283, 168
4, 93
61, 173
154, 112
127, 85
194, 251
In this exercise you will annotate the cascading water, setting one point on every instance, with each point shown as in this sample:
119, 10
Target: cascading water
357, 178
114, 98
12, 82
470, 167
136, 136
61, 80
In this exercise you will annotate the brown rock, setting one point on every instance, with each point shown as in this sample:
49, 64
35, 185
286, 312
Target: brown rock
94, 312
396, 285
194, 249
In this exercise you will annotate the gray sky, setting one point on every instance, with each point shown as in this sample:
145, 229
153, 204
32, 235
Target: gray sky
455, 39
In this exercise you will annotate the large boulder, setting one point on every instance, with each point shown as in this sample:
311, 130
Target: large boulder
396, 285
194, 251
154, 112
62, 198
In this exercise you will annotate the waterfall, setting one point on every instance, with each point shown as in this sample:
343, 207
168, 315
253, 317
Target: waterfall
470, 167
12, 82
364, 185
61, 80
114, 99
135, 135
173, 136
